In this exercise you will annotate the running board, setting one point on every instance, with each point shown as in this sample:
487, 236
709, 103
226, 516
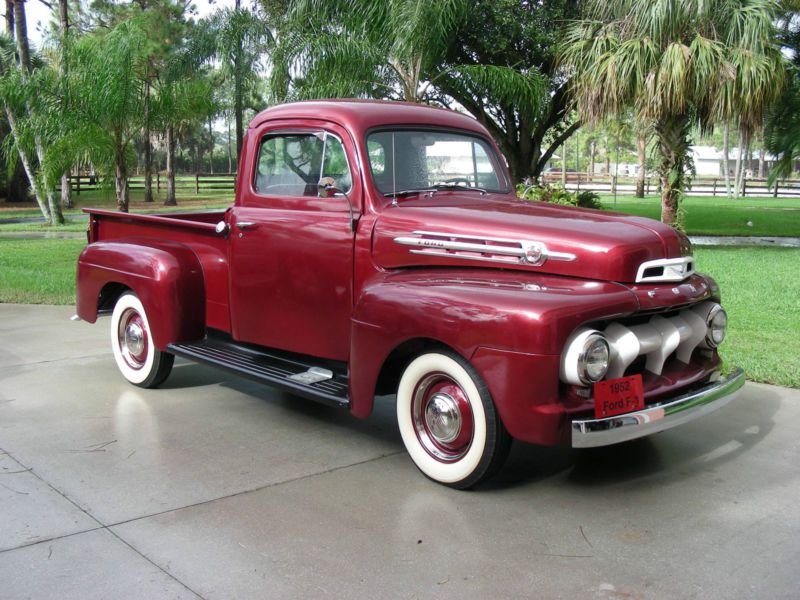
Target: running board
294, 373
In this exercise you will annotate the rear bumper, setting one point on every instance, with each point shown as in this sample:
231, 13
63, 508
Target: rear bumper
589, 433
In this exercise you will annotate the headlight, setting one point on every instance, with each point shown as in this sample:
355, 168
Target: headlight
717, 323
585, 358
593, 362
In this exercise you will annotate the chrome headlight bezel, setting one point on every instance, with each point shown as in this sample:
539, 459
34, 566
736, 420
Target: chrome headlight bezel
716, 321
579, 364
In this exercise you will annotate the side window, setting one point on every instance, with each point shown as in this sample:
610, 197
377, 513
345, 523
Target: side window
291, 164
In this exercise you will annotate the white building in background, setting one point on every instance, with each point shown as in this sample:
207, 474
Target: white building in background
708, 162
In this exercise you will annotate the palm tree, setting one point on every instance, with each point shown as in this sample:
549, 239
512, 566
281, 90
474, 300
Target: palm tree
109, 69
237, 38
677, 65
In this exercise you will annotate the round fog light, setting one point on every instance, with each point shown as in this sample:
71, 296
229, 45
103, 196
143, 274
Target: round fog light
593, 361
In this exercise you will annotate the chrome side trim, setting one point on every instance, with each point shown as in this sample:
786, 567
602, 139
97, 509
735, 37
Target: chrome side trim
590, 433
435, 243
674, 269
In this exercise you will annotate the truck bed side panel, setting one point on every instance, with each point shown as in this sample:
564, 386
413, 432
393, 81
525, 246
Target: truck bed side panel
194, 231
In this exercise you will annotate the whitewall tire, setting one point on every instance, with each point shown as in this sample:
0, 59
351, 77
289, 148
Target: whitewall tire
448, 421
139, 361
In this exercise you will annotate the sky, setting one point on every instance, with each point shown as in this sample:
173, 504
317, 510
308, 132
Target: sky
38, 15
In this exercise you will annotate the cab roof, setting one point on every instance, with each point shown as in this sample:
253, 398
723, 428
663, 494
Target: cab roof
361, 115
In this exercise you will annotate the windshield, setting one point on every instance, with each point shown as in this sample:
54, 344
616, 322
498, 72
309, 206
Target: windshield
410, 160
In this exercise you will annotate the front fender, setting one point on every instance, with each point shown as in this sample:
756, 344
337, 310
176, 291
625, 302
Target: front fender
467, 310
166, 276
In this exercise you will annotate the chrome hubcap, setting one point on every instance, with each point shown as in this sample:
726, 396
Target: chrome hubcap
134, 338
443, 418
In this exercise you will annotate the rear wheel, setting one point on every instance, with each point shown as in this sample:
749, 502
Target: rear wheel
139, 361
448, 421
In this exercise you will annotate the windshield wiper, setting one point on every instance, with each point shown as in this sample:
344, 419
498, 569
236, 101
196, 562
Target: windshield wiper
458, 186
408, 192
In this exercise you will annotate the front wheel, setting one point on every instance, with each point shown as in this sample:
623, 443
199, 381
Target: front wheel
448, 421
139, 361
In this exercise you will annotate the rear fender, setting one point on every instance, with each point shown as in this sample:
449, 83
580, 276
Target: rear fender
166, 276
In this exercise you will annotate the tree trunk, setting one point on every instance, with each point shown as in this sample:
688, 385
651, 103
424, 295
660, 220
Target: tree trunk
44, 195
230, 153
761, 160
21, 30
210, 148
120, 174
737, 173
28, 167
170, 200
641, 146
148, 147
63, 13
726, 166
608, 157
592, 153
10, 17
238, 99
673, 145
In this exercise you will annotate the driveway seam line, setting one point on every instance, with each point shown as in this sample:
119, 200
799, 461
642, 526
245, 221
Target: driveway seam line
53, 360
103, 526
258, 489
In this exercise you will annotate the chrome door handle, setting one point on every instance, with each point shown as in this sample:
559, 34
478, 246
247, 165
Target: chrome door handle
246, 224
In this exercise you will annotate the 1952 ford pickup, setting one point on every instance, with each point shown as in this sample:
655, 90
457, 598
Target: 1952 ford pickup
378, 248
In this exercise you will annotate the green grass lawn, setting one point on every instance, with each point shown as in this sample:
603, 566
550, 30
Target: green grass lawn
760, 291
39, 271
720, 216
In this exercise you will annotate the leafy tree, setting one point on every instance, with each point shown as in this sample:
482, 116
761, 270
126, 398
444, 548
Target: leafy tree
523, 36
678, 65
782, 131
22, 75
108, 68
404, 50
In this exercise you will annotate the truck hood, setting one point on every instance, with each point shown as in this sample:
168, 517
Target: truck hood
464, 229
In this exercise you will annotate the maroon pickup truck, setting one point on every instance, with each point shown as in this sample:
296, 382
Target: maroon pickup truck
378, 248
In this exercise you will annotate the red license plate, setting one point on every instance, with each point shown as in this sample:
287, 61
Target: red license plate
618, 396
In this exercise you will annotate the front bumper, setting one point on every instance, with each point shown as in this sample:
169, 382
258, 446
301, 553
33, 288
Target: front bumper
589, 433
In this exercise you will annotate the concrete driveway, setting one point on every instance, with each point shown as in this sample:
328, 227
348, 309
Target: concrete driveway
215, 487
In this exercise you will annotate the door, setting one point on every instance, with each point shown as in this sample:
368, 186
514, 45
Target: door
291, 247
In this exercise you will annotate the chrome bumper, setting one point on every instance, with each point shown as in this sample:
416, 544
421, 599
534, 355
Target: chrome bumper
589, 433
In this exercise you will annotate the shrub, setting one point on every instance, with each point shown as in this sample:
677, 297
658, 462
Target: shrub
559, 195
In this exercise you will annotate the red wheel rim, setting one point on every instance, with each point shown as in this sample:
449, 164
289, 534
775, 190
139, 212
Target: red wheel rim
442, 417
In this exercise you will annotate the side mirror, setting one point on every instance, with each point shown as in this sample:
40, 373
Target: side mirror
326, 188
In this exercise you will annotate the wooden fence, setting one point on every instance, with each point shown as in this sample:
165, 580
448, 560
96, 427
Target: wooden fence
196, 183
701, 186
210, 183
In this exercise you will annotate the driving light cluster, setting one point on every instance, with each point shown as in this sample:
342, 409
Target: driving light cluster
591, 355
